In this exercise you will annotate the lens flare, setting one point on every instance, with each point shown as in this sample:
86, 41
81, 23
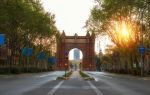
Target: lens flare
124, 30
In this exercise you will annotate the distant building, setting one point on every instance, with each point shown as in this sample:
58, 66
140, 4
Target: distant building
76, 54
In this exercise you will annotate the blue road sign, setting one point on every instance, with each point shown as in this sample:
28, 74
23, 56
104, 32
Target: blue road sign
41, 56
142, 49
23, 51
30, 51
52, 60
2, 39
27, 51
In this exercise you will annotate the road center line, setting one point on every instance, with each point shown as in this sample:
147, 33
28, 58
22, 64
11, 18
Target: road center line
55, 88
98, 92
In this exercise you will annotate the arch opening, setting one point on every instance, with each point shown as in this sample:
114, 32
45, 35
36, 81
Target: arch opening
75, 58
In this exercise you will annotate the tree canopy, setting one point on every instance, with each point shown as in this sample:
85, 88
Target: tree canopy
127, 23
24, 21
108, 15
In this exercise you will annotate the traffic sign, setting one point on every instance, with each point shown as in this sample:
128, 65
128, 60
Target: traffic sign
142, 49
52, 60
41, 56
2, 39
27, 51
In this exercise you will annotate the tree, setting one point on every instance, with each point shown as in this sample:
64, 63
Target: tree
112, 16
24, 21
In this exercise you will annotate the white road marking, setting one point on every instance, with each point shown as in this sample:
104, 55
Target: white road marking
55, 88
106, 76
45, 75
98, 92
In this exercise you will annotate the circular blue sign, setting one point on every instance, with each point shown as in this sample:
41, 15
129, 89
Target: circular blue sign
142, 49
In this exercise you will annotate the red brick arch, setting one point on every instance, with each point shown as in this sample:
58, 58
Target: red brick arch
84, 43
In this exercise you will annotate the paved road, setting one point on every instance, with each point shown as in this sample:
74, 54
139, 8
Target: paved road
19, 84
110, 84
45, 84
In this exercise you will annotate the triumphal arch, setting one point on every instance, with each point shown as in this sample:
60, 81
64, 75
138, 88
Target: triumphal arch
85, 43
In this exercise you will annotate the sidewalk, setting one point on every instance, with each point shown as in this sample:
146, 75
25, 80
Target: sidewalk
123, 75
76, 75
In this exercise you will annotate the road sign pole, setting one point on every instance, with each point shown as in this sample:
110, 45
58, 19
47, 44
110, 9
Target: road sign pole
142, 52
142, 66
27, 62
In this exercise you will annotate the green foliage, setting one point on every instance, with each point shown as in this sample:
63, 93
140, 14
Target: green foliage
23, 22
108, 10
65, 76
68, 74
106, 59
85, 76
134, 11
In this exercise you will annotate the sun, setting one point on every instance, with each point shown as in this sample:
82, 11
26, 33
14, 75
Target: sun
124, 30
121, 30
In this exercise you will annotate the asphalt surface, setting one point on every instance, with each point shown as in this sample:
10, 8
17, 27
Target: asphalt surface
110, 84
20, 84
46, 84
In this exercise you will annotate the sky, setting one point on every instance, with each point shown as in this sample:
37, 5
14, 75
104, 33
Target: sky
71, 15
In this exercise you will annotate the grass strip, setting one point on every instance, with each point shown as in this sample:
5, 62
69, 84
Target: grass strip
64, 77
85, 76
